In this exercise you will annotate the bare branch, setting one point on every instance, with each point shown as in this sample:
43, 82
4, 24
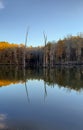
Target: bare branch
45, 38
26, 36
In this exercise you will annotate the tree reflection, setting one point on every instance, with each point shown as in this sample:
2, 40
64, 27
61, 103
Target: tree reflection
69, 77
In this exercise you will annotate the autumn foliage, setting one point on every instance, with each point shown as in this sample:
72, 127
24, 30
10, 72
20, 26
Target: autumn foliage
67, 51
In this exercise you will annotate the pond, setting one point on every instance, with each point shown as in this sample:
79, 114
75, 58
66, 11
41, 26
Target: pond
41, 99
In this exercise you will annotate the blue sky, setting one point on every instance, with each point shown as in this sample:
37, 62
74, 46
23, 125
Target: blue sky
58, 18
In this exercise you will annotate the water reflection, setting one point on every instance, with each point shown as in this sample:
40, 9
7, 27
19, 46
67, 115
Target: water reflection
2, 121
36, 98
67, 77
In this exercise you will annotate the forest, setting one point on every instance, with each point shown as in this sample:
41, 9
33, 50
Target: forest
67, 51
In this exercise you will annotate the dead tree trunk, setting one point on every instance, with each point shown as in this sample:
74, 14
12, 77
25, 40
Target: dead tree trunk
45, 42
24, 62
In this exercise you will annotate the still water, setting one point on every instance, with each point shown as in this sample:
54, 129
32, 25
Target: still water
41, 99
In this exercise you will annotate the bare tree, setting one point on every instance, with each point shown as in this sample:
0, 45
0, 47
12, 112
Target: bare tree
24, 63
45, 42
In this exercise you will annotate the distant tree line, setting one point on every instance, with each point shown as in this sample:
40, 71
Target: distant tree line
67, 51
63, 52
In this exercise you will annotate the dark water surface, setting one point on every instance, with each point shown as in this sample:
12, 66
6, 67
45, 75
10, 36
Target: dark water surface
41, 99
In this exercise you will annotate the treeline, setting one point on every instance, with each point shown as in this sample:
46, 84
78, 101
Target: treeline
63, 52
18, 54
67, 51
11, 53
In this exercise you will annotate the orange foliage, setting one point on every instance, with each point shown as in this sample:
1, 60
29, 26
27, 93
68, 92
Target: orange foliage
5, 45
8, 82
